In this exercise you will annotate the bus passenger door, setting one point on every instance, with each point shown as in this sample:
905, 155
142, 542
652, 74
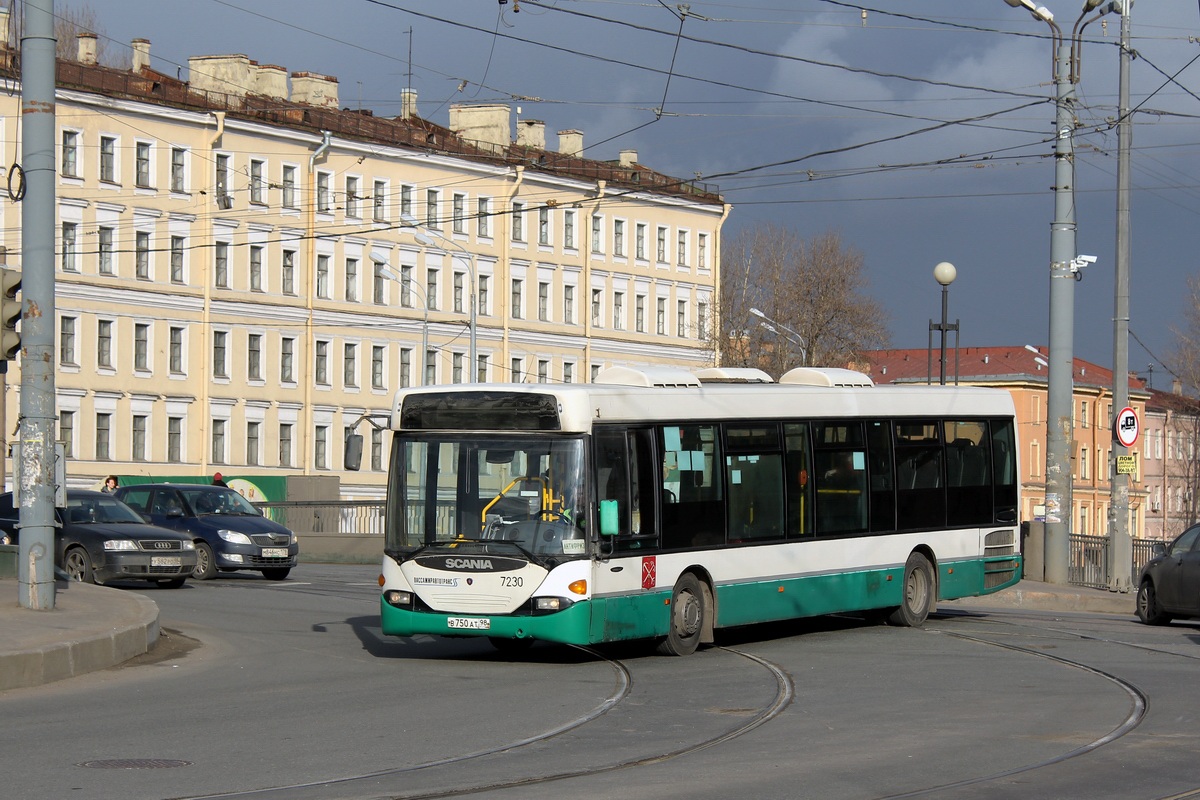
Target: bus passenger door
625, 473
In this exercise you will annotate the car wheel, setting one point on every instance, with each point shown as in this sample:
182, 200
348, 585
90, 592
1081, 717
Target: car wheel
920, 593
276, 573
173, 583
206, 565
78, 565
689, 617
1148, 609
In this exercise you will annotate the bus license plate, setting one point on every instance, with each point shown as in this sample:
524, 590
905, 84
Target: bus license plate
165, 561
274, 552
469, 623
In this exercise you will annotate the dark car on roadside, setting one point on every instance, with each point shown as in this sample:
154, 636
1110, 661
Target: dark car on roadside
228, 531
1169, 584
98, 539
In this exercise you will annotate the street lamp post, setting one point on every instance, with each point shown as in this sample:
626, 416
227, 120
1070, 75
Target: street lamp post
944, 273
426, 236
775, 327
1064, 268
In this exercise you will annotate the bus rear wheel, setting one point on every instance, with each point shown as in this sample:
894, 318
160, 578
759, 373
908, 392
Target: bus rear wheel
689, 617
920, 593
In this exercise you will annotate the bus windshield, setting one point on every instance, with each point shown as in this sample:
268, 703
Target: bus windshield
524, 490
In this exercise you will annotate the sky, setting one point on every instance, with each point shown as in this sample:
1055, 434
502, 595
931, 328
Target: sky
921, 131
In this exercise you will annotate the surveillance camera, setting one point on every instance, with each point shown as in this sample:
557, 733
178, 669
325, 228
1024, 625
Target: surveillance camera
1087, 259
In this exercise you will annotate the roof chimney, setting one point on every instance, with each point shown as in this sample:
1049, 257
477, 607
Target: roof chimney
531, 133
408, 103
86, 42
225, 74
315, 89
141, 54
271, 81
485, 126
628, 158
1177, 387
570, 143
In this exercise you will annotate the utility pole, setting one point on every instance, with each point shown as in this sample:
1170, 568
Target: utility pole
34, 472
1061, 380
1120, 557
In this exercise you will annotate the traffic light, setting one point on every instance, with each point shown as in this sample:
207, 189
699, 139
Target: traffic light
10, 313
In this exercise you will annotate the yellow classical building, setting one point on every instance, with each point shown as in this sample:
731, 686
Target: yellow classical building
244, 269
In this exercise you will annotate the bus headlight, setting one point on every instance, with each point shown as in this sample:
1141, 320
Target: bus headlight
397, 598
550, 605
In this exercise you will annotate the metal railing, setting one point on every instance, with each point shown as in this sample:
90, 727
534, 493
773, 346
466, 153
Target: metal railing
319, 516
1089, 560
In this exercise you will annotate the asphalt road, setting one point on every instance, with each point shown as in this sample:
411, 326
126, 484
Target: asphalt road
292, 693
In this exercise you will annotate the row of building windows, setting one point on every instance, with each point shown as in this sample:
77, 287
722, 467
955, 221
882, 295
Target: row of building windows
257, 278
520, 369
353, 200
174, 450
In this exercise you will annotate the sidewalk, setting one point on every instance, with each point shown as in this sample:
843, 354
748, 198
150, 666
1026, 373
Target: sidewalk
94, 627
1038, 596
90, 628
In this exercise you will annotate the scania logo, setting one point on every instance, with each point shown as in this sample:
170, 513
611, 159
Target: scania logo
472, 563
162, 545
477, 564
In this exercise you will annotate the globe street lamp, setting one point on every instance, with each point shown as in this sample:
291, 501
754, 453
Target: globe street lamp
944, 273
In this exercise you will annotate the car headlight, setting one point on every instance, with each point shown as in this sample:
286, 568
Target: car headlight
233, 537
120, 544
188, 545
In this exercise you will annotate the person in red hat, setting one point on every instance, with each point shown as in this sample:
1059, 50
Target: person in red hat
219, 481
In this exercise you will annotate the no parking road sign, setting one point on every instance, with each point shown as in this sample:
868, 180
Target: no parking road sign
1126, 427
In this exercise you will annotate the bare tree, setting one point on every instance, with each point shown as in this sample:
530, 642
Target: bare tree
811, 299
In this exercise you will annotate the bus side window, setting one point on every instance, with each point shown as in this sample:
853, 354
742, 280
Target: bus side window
643, 483
626, 473
883, 485
798, 481
693, 514
612, 467
1004, 471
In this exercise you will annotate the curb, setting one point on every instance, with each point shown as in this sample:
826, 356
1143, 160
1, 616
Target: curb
55, 647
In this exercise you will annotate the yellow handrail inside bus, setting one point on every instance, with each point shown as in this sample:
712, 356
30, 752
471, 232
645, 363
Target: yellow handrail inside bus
551, 508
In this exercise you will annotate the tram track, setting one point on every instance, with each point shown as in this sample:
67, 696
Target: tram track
783, 696
444, 777
1138, 706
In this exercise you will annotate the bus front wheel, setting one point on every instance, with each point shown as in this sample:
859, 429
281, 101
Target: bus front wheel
920, 593
689, 616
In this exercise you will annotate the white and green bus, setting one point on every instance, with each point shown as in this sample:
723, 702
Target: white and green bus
660, 504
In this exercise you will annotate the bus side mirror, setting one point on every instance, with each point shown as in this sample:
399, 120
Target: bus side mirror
354, 445
609, 518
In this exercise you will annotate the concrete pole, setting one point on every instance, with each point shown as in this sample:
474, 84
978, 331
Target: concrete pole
34, 476
1120, 543
1059, 410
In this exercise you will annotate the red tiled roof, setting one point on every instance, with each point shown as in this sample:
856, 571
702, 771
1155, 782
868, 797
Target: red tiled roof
979, 364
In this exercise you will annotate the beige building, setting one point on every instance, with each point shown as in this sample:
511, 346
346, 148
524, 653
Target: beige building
244, 270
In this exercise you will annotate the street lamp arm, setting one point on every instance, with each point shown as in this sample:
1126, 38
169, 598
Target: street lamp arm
426, 237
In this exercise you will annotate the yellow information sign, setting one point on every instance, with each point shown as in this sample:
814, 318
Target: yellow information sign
1126, 465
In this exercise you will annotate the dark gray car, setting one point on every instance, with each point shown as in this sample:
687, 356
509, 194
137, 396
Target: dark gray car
1169, 584
99, 539
229, 532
